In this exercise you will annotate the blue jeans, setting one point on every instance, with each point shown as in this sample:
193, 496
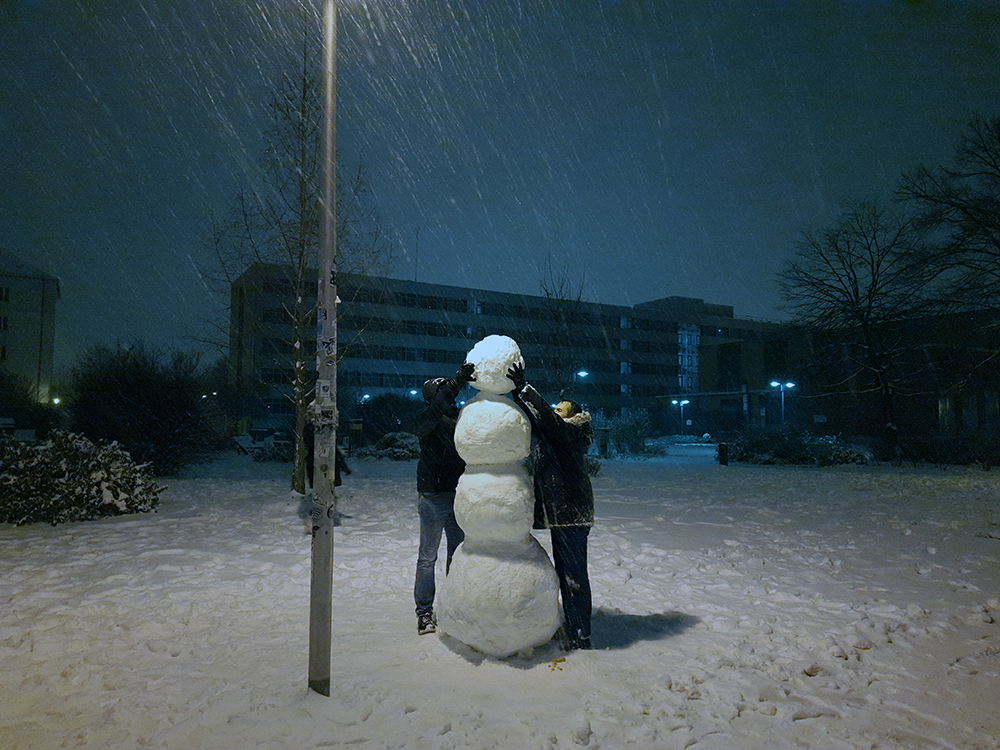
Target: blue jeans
569, 553
437, 514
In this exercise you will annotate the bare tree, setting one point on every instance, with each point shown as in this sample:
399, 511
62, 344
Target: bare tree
959, 207
854, 283
277, 222
563, 304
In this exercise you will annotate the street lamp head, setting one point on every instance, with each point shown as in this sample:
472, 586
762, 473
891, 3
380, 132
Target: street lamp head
685, 402
775, 384
789, 385
583, 373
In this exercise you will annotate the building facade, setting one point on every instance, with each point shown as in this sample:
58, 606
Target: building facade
395, 334
27, 323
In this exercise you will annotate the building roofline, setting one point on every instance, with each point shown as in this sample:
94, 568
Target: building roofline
681, 308
13, 267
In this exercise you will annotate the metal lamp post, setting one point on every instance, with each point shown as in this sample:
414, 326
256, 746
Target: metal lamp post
325, 400
576, 390
681, 403
782, 386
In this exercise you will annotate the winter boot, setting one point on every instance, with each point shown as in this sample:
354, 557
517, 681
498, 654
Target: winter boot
425, 624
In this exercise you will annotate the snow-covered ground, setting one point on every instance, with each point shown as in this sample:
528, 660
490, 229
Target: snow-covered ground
736, 607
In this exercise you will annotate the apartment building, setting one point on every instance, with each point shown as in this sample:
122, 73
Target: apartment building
395, 334
27, 323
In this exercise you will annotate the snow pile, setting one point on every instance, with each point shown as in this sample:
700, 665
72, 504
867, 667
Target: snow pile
740, 607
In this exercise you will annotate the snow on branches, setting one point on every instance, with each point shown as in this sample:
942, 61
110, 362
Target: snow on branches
69, 478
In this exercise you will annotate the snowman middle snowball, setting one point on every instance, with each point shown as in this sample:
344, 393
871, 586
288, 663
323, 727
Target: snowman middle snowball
501, 594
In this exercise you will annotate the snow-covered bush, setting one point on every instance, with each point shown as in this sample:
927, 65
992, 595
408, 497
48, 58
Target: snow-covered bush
627, 431
985, 448
399, 446
799, 448
386, 413
981, 448
69, 478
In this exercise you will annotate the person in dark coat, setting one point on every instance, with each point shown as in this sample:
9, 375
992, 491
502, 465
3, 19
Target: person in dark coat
340, 464
339, 467
564, 498
438, 471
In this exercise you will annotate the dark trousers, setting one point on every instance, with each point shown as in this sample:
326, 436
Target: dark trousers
569, 550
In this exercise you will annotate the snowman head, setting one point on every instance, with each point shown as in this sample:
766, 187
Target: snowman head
493, 356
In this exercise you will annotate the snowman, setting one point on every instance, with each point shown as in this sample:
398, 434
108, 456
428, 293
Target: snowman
501, 593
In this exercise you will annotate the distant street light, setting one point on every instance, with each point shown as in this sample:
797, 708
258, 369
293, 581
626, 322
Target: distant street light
782, 386
681, 404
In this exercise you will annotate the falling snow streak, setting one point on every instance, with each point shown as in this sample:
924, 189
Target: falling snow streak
652, 148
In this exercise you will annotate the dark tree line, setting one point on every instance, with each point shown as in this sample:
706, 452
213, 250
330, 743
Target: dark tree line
19, 401
866, 282
161, 407
155, 405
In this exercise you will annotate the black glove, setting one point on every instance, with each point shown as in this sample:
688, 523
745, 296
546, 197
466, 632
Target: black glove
464, 374
516, 375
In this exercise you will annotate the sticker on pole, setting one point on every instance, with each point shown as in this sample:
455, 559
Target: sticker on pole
324, 389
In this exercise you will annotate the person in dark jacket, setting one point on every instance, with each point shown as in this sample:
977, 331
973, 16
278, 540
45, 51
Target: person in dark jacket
564, 498
340, 464
438, 470
339, 467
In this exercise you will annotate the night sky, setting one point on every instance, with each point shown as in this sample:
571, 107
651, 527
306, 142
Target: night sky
648, 148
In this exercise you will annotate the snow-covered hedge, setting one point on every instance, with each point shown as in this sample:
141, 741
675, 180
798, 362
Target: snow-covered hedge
799, 448
624, 433
399, 446
69, 478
